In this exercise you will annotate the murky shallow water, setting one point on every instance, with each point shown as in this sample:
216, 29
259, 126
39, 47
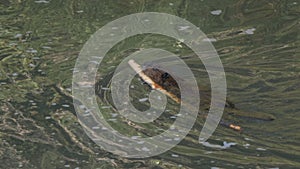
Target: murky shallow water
258, 43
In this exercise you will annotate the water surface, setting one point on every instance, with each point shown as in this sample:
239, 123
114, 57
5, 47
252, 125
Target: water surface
258, 43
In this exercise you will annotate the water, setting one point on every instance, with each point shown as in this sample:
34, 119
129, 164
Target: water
258, 42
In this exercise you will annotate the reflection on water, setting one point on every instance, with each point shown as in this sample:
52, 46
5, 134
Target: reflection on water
258, 43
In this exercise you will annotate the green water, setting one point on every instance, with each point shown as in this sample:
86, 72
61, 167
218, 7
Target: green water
258, 43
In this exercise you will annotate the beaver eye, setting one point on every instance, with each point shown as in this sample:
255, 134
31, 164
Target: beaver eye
165, 75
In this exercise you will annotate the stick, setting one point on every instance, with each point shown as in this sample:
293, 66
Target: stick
137, 68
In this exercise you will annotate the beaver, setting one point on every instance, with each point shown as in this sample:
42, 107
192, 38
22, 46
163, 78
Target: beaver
169, 84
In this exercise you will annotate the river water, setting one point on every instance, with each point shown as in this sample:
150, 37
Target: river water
257, 41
